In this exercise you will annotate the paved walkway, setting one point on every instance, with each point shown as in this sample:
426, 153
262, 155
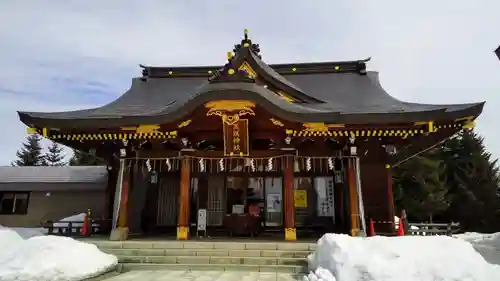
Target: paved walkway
164, 275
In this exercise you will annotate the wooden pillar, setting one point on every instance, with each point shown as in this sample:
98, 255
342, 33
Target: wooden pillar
353, 197
119, 221
390, 196
185, 182
288, 195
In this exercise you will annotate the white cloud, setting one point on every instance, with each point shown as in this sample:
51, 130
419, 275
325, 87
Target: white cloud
83, 53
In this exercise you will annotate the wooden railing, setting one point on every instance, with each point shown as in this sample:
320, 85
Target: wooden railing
429, 229
74, 228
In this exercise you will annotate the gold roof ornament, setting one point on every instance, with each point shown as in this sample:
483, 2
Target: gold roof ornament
277, 122
248, 69
230, 111
184, 123
142, 129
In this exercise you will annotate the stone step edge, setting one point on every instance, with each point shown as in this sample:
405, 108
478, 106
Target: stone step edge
215, 267
165, 251
200, 246
215, 257
205, 249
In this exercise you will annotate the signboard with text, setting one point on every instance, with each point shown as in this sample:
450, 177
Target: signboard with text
236, 141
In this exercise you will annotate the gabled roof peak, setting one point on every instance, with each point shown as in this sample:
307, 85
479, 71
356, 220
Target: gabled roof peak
247, 43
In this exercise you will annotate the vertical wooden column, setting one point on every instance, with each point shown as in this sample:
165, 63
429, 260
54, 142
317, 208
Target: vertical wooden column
390, 197
288, 195
353, 197
185, 182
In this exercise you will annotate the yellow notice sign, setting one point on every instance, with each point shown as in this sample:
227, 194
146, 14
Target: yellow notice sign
300, 198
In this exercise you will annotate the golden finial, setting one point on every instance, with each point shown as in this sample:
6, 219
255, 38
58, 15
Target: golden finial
229, 55
245, 32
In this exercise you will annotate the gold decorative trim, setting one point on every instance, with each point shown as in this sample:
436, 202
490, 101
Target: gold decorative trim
277, 122
230, 111
142, 129
286, 97
246, 67
321, 126
290, 234
113, 136
468, 118
182, 232
322, 130
184, 124
31, 131
468, 122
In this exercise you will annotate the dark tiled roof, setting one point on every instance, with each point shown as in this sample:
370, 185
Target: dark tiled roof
345, 96
497, 52
53, 175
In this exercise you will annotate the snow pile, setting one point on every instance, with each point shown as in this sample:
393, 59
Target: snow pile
26, 233
43, 258
491, 239
409, 258
488, 245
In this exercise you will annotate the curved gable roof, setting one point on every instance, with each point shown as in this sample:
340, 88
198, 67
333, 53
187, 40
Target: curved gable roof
338, 92
348, 98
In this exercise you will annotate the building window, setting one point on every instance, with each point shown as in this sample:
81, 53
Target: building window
14, 203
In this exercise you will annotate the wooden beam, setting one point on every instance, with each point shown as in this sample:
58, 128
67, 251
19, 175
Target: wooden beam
353, 198
183, 219
290, 231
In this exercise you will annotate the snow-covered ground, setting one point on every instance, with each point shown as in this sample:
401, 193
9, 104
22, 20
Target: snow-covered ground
29, 255
409, 258
488, 245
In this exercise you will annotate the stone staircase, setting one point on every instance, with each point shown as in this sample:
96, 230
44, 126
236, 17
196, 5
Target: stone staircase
283, 257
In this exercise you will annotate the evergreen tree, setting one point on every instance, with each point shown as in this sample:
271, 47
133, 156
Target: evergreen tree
473, 180
81, 158
31, 152
419, 187
54, 156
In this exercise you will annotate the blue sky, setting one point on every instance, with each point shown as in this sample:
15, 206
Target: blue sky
63, 55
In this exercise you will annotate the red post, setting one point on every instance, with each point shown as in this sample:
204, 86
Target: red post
372, 229
401, 227
85, 226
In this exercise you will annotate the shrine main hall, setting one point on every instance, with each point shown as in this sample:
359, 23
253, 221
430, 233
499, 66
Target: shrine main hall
248, 148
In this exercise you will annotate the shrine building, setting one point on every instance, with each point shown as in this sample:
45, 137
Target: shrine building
250, 148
